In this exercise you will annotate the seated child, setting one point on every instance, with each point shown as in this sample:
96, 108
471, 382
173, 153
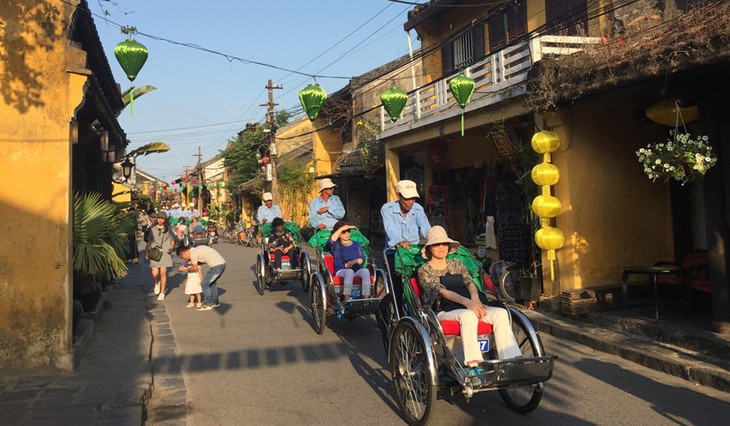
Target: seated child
280, 243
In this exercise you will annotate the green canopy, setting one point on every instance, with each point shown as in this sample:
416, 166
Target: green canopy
408, 260
289, 226
320, 238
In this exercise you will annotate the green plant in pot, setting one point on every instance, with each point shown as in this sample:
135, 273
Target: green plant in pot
531, 284
100, 240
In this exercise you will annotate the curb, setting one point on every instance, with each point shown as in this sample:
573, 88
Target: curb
689, 365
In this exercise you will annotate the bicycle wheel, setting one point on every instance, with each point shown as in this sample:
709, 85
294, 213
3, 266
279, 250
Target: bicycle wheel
318, 302
414, 372
524, 399
260, 274
509, 283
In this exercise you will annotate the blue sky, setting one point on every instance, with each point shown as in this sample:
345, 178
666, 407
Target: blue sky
196, 88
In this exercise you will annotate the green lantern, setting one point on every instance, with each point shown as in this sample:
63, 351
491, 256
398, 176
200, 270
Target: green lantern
462, 87
394, 100
131, 55
312, 97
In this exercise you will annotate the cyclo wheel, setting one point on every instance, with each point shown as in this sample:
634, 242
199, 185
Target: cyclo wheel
306, 266
414, 372
509, 283
260, 274
385, 317
318, 302
524, 399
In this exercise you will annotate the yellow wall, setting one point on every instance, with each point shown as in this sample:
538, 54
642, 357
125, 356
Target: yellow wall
613, 215
37, 99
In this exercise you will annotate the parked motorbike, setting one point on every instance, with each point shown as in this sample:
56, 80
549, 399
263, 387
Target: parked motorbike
212, 233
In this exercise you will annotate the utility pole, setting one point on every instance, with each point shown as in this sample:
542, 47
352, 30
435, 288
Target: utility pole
201, 176
271, 120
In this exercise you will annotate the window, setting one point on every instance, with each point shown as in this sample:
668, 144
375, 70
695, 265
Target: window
507, 25
464, 50
569, 17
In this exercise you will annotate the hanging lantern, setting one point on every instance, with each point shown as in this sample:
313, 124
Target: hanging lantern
312, 97
176, 190
545, 142
437, 149
266, 160
131, 55
545, 174
666, 112
394, 100
549, 238
462, 87
546, 206
184, 178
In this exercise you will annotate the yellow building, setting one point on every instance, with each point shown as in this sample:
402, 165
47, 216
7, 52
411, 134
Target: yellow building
57, 115
611, 214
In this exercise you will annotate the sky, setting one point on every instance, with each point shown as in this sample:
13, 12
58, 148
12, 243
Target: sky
217, 97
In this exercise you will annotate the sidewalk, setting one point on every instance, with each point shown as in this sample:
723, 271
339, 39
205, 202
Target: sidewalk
119, 379
112, 383
681, 350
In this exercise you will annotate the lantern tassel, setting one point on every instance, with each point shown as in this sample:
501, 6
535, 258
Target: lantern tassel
131, 103
462, 122
551, 258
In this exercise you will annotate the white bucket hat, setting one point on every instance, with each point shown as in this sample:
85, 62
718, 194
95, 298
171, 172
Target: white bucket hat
268, 196
325, 183
436, 235
408, 189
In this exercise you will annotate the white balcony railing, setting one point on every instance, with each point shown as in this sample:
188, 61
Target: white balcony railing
492, 76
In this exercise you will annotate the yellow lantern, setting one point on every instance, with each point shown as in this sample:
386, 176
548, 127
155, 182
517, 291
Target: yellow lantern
549, 238
545, 174
546, 206
665, 112
545, 142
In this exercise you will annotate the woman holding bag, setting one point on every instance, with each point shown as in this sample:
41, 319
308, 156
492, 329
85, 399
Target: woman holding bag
159, 245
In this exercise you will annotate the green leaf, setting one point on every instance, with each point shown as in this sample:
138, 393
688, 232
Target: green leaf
150, 148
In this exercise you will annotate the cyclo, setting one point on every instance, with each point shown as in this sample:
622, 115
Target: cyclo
424, 353
265, 273
327, 288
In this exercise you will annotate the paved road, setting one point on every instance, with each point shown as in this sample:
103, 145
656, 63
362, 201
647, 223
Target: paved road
256, 360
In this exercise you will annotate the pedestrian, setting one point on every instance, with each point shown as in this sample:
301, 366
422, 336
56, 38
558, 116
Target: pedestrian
268, 211
447, 286
326, 209
349, 260
405, 222
160, 240
193, 287
217, 265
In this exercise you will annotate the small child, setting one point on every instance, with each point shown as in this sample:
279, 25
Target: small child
193, 287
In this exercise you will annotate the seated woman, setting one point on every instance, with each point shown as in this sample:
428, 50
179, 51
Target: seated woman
349, 259
280, 243
461, 302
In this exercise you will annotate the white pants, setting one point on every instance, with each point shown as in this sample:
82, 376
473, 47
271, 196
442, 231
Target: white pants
349, 276
503, 337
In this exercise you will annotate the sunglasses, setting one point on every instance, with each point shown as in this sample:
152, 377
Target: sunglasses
346, 231
439, 244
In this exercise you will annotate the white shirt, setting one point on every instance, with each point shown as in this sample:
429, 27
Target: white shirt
206, 255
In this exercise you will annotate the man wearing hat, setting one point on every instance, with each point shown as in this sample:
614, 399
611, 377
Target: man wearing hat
268, 211
327, 209
404, 220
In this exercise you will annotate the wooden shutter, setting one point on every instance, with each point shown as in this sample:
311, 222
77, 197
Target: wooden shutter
508, 25
447, 59
477, 37
566, 16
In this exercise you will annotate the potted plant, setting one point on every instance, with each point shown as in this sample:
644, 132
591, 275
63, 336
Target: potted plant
100, 239
683, 158
531, 285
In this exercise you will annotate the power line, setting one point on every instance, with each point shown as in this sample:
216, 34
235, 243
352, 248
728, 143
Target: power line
446, 6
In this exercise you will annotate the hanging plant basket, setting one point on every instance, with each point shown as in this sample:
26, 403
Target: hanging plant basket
682, 158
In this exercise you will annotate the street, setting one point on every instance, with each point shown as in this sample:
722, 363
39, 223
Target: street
257, 360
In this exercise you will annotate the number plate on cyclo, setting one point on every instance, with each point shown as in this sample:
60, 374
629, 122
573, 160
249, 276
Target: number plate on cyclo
484, 345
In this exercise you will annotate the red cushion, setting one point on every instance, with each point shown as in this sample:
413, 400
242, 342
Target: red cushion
453, 328
678, 280
272, 256
701, 285
329, 262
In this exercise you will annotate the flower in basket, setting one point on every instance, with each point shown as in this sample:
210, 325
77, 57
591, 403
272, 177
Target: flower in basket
681, 158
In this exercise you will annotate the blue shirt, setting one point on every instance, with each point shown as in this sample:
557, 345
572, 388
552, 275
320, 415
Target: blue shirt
268, 213
404, 228
329, 218
343, 253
